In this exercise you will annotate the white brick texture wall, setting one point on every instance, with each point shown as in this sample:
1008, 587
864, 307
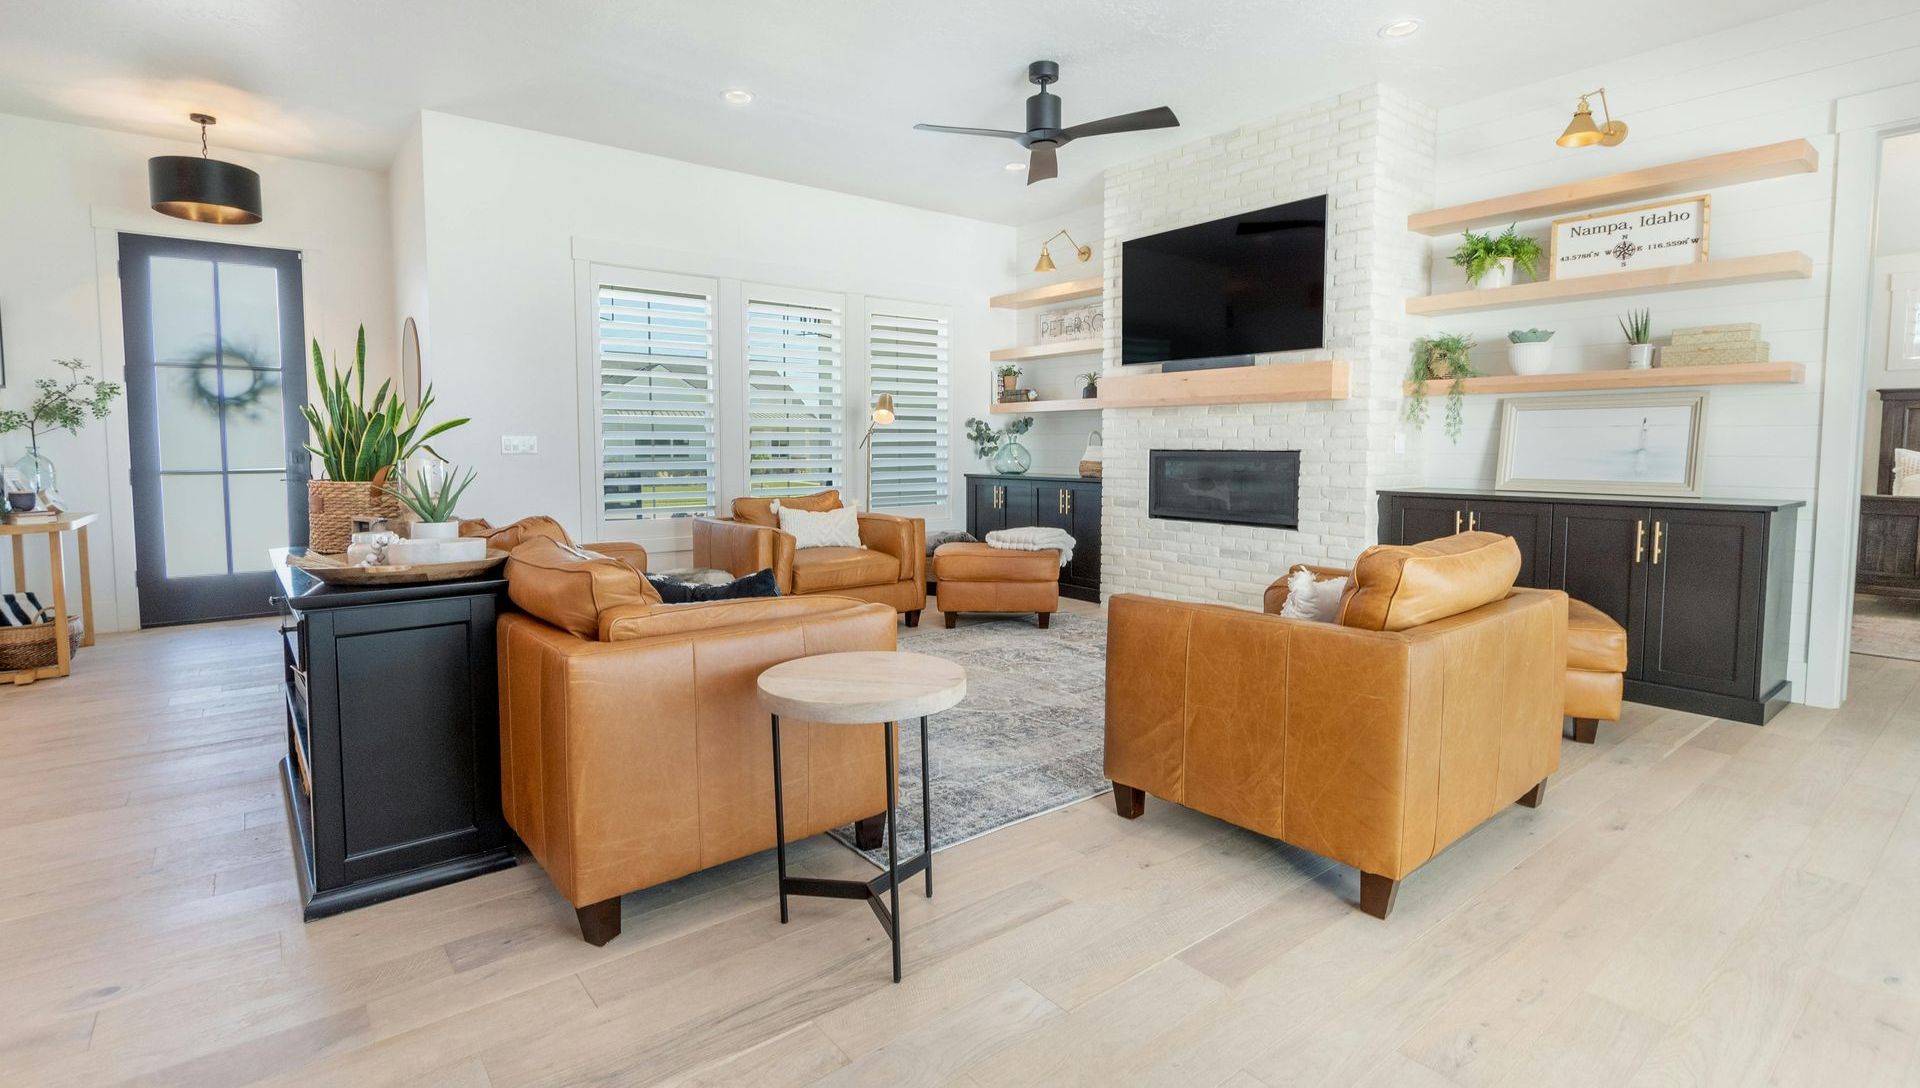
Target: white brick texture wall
1371, 152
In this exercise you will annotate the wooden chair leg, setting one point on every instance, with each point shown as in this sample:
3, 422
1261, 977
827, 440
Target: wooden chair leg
599, 922
1585, 730
1377, 893
913, 618
1045, 618
952, 618
1534, 796
870, 832
1128, 801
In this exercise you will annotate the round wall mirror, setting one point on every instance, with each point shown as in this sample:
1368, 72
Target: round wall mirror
410, 363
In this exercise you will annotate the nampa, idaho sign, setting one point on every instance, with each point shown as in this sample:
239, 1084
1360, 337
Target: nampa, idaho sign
1657, 235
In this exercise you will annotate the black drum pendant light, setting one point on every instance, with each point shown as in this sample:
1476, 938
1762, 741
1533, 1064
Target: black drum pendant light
204, 190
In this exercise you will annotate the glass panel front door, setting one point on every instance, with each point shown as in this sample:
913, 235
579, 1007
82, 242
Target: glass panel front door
215, 382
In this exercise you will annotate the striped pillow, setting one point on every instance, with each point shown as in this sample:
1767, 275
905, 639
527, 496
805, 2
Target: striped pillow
21, 610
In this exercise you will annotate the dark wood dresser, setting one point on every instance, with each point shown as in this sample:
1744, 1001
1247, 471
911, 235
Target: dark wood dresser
1061, 502
1704, 587
1890, 524
392, 773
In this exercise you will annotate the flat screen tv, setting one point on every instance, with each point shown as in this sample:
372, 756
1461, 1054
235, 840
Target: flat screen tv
1249, 283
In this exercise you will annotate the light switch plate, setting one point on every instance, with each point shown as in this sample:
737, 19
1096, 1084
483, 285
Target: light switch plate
519, 443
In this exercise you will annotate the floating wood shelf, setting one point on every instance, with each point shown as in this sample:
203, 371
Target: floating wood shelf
1065, 291
1729, 168
1320, 379
1021, 408
1655, 378
1789, 265
1048, 351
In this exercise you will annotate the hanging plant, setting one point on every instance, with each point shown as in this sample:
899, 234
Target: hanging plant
1437, 358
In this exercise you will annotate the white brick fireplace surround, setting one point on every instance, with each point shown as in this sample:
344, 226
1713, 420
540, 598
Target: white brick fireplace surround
1371, 152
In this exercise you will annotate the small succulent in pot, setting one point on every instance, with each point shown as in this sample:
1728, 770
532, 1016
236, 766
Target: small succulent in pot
432, 492
1489, 259
1437, 358
1530, 352
1090, 385
1638, 327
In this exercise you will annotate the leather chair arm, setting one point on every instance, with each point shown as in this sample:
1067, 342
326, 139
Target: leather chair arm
902, 538
741, 549
629, 622
624, 550
1276, 594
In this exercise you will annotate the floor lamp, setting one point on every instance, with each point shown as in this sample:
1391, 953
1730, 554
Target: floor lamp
882, 416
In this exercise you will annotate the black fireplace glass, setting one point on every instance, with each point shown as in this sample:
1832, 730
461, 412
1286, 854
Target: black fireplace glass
1227, 487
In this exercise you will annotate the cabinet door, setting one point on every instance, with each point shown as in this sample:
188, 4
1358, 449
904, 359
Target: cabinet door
1052, 508
1599, 555
1706, 588
986, 507
1019, 501
1410, 519
1530, 524
1084, 507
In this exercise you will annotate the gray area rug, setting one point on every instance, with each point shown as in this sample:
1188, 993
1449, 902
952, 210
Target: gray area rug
1026, 740
1882, 626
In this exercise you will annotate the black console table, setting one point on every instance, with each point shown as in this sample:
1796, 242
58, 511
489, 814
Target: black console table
1061, 502
1702, 586
392, 773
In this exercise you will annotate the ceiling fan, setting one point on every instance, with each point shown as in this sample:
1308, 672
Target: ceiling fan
1044, 135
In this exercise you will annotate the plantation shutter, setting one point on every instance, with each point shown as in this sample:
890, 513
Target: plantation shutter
907, 355
657, 409
796, 392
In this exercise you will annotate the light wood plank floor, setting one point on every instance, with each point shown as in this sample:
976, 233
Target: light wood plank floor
1697, 902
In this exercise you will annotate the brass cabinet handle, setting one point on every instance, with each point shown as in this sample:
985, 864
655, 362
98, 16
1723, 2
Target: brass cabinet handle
1473, 522
1639, 539
1456, 521
1066, 501
1656, 543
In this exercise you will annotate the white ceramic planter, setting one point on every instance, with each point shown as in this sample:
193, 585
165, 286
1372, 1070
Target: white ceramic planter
1500, 275
1639, 356
434, 530
1531, 358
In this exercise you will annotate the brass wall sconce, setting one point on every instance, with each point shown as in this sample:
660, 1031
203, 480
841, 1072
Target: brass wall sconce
1582, 132
1045, 263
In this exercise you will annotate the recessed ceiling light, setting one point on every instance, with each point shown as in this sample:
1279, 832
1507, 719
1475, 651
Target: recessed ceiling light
736, 96
1400, 28
1014, 166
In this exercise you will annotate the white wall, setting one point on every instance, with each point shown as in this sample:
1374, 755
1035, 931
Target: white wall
1897, 220
507, 214
1770, 80
1057, 438
65, 193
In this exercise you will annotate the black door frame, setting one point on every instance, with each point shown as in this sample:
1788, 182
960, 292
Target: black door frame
163, 600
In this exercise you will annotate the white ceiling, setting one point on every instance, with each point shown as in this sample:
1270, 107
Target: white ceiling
839, 83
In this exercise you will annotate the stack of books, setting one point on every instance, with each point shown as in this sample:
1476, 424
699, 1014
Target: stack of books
22, 517
1715, 345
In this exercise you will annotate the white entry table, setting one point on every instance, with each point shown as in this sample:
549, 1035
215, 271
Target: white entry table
860, 689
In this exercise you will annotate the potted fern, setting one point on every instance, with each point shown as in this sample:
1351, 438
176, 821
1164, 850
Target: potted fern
1489, 259
1440, 358
358, 444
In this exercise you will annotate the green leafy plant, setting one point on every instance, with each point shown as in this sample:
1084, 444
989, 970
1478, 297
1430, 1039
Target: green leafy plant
1638, 325
1009, 372
987, 440
356, 440
62, 407
432, 500
1479, 253
1530, 336
1091, 377
1436, 358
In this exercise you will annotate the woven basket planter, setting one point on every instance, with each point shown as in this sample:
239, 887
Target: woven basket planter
333, 504
33, 647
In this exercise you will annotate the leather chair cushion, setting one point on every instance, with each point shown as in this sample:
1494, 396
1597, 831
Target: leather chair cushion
636, 621
759, 511
509, 537
818, 570
1594, 642
570, 587
1400, 586
985, 563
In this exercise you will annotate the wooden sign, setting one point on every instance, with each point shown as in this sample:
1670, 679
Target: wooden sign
1657, 235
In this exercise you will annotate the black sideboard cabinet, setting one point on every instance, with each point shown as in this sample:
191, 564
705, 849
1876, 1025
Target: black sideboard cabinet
1061, 502
1704, 587
392, 773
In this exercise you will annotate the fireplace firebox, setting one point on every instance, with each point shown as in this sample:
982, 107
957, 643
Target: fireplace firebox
1225, 487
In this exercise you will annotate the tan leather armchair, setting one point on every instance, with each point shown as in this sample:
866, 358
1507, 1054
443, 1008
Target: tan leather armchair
633, 748
1375, 741
888, 569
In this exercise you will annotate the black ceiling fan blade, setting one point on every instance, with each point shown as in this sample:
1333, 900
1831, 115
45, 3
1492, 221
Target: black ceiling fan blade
1000, 132
1042, 163
1158, 117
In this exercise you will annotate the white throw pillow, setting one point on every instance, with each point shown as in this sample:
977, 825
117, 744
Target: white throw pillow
1906, 466
1310, 599
820, 528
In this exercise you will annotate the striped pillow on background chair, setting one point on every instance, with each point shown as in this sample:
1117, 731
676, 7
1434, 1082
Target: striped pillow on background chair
22, 610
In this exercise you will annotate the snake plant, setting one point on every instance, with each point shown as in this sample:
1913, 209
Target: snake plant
358, 441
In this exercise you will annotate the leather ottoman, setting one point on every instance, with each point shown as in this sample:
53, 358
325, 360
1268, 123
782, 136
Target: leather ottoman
1596, 663
971, 577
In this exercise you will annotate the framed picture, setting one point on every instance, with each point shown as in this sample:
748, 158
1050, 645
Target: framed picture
1641, 444
1657, 235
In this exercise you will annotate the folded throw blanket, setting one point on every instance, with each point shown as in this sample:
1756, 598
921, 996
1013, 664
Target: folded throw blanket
1034, 538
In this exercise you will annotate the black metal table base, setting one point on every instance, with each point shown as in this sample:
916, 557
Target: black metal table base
888, 882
